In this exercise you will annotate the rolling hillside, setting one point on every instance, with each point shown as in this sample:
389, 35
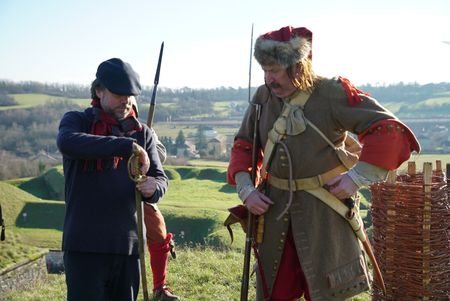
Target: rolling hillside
195, 208
15, 203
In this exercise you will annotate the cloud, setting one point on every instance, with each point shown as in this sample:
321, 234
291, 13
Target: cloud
446, 42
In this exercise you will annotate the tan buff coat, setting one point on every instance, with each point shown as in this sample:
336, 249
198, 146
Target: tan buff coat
327, 248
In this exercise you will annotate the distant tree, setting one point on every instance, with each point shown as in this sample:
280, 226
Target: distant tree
6, 100
168, 144
180, 140
200, 138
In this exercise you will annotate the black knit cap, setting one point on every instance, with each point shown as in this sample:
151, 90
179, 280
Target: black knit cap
118, 77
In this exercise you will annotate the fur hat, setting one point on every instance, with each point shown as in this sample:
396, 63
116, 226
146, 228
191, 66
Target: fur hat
118, 77
285, 46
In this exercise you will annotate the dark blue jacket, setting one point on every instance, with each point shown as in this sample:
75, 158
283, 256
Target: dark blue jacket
100, 205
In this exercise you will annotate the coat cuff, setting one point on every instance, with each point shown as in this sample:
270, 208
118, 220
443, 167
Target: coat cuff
387, 144
240, 159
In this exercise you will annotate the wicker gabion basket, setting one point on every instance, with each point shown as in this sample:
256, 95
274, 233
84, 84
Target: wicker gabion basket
411, 235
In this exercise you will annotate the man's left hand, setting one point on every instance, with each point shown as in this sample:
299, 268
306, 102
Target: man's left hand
342, 186
147, 187
144, 161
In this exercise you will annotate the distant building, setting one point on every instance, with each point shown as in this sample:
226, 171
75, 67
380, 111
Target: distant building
217, 146
187, 150
45, 157
209, 131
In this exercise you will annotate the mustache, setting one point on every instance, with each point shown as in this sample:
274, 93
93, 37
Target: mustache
274, 85
123, 107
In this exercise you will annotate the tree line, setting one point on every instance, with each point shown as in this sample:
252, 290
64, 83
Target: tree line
410, 92
25, 132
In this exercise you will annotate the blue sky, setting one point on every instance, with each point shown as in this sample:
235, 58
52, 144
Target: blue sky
207, 42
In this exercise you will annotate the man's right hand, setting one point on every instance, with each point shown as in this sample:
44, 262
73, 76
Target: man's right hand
257, 203
144, 160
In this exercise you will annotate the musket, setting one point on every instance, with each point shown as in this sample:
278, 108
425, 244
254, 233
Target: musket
133, 173
2, 225
249, 238
139, 211
151, 109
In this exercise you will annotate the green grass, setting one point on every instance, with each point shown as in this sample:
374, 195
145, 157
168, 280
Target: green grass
198, 274
13, 200
222, 108
13, 250
32, 100
16, 247
208, 163
190, 130
208, 266
437, 101
394, 107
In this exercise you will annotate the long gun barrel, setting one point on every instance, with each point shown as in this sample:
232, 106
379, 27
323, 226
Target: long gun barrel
249, 238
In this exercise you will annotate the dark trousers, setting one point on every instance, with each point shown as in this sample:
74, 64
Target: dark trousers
101, 277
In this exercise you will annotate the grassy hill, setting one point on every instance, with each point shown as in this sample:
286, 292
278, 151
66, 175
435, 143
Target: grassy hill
194, 207
31, 100
18, 208
207, 267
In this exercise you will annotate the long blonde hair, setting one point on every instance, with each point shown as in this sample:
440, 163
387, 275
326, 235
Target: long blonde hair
306, 78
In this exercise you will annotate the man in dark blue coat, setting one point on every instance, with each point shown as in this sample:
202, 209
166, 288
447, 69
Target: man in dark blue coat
100, 240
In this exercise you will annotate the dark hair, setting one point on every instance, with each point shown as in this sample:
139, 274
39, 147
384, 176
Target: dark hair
96, 85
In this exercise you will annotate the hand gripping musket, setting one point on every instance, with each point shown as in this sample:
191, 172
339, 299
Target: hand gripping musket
151, 109
250, 240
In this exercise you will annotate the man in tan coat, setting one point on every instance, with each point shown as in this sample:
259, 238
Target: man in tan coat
308, 249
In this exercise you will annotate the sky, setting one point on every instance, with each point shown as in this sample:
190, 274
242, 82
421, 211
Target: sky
207, 42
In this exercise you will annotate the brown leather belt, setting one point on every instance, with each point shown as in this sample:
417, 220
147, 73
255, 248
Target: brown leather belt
306, 183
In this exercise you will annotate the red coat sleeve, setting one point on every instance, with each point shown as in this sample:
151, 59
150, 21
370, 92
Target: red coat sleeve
387, 144
241, 160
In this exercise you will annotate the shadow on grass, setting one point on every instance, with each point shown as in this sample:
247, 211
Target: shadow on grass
228, 189
42, 216
36, 187
189, 230
212, 174
49, 186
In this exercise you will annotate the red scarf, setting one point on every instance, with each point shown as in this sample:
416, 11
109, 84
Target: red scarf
105, 125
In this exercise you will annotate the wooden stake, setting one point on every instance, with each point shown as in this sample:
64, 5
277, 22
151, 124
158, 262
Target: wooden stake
427, 181
438, 166
448, 173
411, 168
391, 177
390, 234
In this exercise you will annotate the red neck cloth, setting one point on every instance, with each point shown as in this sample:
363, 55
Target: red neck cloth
105, 125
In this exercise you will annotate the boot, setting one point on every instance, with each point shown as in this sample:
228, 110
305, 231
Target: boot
164, 293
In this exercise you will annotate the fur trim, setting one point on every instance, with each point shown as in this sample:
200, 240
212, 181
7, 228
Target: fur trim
286, 53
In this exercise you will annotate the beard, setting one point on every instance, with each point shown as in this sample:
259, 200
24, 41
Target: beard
120, 112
